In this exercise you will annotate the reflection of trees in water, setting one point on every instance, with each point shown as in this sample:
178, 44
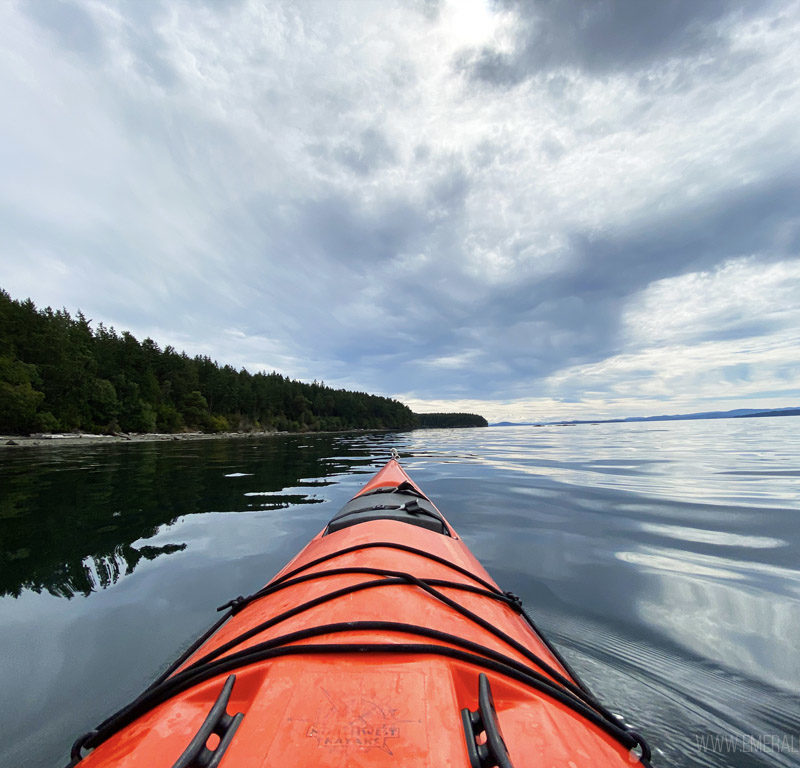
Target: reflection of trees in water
70, 518
93, 572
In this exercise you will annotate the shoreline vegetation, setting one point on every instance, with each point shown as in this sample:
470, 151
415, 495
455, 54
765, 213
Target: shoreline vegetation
87, 438
62, 380
52, 439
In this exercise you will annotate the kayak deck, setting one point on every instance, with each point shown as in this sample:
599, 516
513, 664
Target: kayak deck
383, 642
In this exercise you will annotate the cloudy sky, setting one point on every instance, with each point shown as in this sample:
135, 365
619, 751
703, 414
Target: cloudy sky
538, 210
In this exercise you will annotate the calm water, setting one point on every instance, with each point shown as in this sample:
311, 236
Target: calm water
663, 559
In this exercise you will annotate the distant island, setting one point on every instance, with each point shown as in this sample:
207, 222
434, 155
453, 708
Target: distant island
739, 413
58, 374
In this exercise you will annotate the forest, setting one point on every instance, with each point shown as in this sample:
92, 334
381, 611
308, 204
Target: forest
58, 374
447, 420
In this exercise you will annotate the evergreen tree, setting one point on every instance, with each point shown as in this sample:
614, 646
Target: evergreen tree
57, 373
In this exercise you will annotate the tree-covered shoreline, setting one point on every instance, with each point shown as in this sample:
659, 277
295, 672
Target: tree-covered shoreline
58, 374
449, 420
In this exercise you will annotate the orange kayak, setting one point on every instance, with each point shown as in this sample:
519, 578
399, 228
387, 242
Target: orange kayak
384, 642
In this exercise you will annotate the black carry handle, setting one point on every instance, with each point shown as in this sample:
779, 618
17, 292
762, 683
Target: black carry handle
493, 753
197, 754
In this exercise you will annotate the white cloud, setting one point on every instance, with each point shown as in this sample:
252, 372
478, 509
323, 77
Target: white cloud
735, 297
731, 337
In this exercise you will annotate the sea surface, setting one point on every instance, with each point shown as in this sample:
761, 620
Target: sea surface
662, 558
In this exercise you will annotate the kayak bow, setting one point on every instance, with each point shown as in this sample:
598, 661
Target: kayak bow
384, 642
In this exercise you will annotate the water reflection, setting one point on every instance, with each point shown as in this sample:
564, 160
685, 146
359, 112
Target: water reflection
746, 630
662, 560
71, 526
95, 572
719, 538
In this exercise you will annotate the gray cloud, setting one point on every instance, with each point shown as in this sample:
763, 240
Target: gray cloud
430, 9
756, 218
319, 192
523, 333
602, 36
336, 230
70, 25
147, 46
370, 152
576, 315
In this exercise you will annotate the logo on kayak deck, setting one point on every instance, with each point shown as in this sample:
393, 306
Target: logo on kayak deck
355, 723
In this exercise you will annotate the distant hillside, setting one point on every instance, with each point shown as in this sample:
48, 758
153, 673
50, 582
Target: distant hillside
739, 413
58, 374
